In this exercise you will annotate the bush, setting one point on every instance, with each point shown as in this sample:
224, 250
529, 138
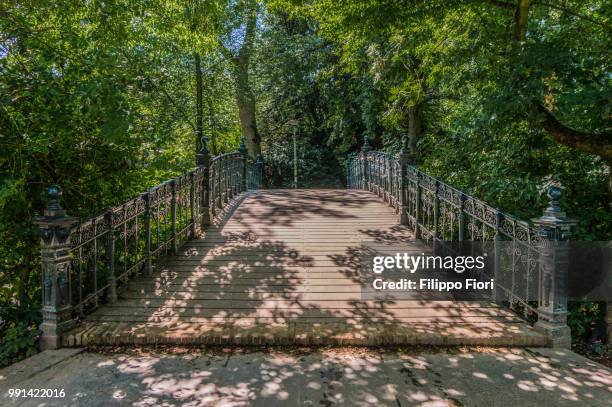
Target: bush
19, 341
583, 319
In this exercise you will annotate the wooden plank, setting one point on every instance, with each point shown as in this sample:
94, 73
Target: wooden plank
281, 265
320, 306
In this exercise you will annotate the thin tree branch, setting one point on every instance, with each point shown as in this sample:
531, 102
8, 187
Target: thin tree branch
173, 102
502, 4
227, 54
597, 144
573, 13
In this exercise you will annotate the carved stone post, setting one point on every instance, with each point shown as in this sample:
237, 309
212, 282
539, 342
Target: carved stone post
554, 231
365, 149
403, 158
203, 161
243, 151
55, 227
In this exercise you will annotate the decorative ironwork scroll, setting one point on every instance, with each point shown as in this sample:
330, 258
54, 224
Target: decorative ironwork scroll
438, 212
102, 254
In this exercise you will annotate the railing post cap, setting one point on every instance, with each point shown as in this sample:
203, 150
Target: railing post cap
54, 215
404, 156
203, 156
366, 144
554, 217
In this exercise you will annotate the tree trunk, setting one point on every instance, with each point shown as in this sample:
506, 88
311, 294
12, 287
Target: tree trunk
212, 127
246, 106
596, 144
199, 113
521, 18
414, 130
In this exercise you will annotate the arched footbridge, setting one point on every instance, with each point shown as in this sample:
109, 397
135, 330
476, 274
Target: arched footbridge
210, 257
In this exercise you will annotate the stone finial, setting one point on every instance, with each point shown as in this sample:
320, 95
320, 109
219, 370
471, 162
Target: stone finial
403, 156
203, 156
366, 144
404, 149
204, 144
54, 209
554, 193
554, 223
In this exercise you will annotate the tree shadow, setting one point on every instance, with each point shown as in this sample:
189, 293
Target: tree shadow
283, 266
327, 377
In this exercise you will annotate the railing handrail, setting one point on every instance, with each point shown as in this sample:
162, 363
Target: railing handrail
88, 261
437, 212
232, 154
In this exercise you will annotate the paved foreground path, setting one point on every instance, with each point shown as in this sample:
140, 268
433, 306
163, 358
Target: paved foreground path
325, 377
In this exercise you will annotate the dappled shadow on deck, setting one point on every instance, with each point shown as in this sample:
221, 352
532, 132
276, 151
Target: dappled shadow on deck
282, 267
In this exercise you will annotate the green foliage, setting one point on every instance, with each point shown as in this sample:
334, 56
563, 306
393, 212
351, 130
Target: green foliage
582, 318
96, 97
18, 341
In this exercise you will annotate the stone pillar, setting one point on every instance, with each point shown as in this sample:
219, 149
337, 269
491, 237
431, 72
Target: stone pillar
55, 228
203, 161
243, 151
554, 232
365, 149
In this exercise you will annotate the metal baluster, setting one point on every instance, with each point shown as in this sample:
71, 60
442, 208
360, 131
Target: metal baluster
203, 161
244, 157
147, 219
402, 162
436, 212
112, 280
192, 204
80, 275
219, 171
417, 231
125, 242
497, 253
462, 218
173, 216
95, 260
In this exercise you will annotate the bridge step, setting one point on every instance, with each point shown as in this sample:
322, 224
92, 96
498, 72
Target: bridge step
303, 333
284, 269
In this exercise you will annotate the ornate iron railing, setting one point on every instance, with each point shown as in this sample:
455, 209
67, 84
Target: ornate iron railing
438, 212
107, 250
88, 262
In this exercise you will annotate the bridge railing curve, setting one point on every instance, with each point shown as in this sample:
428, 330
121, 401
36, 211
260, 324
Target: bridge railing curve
530, 259
86, 263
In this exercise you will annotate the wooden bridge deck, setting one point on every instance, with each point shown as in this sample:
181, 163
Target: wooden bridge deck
280, 268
